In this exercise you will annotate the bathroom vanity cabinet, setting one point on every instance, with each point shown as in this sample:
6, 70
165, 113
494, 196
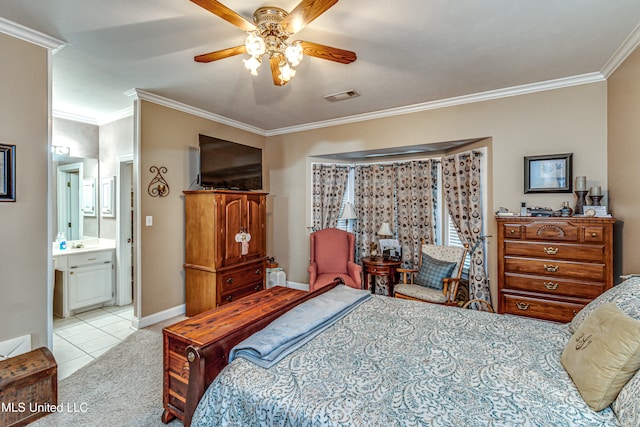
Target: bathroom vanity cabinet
84, 278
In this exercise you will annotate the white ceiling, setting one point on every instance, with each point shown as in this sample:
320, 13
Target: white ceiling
409, 52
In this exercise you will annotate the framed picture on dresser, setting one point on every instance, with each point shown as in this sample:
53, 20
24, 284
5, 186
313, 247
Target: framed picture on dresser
548, 173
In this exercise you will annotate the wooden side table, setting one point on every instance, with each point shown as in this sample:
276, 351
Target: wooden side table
378, 266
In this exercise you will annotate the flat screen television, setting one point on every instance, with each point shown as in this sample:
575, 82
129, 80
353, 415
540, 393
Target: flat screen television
229, 165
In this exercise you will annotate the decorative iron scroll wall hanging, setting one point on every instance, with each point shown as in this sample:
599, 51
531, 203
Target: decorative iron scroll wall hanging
158, 187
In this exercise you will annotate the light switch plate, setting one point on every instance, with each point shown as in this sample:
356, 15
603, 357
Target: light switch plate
149, 220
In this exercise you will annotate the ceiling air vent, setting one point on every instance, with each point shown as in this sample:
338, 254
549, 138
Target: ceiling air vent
341, 96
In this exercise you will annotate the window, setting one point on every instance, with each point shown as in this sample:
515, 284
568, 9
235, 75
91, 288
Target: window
348, 197
452, 238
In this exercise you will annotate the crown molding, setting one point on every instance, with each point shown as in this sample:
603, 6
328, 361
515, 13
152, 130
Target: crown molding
74, 117
116, 115
32, 36
626, 48
432, 105
166, 102
449, 102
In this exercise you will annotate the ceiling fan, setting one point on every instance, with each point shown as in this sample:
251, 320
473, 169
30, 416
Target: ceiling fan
269, 35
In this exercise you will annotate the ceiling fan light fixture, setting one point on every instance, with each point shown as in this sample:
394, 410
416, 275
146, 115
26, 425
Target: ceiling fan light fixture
254, 44
252, 64
286, 72
294, 53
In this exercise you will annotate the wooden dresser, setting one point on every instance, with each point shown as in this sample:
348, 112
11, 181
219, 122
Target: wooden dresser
551, 267
219, 267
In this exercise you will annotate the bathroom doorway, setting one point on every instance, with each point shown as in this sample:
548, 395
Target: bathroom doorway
124, 232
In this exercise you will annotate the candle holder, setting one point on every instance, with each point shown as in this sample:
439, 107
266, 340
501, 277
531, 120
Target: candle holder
595, 200
581, 202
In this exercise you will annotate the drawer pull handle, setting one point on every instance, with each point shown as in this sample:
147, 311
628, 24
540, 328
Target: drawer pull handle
551, 251
551, 286
551, 268
512, 231
229, 298
258, 287
71, 272
522, 305
91, 259
230, 280
594, 234
258, 271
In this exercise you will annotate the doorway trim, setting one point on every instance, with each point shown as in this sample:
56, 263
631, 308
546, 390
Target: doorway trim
123, 224
61, 202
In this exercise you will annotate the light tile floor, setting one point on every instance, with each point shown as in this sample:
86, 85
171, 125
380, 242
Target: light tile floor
79, 339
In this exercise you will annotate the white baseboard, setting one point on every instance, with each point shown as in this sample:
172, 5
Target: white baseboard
296, 285
15, 346
143, 322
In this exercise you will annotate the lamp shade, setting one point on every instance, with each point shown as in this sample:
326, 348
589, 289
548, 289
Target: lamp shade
385, 230
348, 212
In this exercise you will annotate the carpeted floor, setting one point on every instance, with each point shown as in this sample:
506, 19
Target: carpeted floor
123, 387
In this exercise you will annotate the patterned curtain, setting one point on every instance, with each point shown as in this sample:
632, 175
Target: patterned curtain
329, 183
416, 187
374, 204
463, 196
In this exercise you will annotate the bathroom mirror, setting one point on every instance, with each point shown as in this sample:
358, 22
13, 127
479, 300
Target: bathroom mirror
75, 176
76, 197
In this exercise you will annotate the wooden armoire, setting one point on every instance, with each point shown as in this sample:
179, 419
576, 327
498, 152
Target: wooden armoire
225, 247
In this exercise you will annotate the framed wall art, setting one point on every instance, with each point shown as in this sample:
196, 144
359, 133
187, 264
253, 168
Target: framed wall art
7, 173
548, 173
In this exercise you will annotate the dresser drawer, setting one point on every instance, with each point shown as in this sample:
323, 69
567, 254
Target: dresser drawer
551, 230
553, 286
554, 268
558, 311
550, 250
593, 234
241, 277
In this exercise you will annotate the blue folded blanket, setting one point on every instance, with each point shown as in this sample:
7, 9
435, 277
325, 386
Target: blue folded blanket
298, 326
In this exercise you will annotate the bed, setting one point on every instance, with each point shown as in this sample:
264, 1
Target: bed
392, 362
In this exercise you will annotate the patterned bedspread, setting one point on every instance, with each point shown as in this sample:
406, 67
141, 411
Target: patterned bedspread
394, 362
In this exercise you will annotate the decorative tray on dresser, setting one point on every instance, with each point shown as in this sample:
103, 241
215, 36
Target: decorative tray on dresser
551, 267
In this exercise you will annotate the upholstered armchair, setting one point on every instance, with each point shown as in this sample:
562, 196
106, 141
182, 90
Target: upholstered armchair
332, 256
437, 277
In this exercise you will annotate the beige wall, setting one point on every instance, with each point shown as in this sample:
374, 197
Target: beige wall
23, 224
116, 139
623, 153
165, 138
569, 120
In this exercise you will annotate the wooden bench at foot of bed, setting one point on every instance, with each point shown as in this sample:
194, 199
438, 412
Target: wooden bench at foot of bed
195, 350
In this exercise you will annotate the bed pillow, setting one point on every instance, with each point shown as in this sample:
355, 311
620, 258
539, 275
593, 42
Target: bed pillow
432, 271
626, 295
603, 354
627, 404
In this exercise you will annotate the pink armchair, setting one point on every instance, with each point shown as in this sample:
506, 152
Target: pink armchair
332, 254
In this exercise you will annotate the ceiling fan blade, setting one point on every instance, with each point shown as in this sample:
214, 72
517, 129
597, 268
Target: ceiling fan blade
328, 52
225, 13
304, 13
275, 71
220, 54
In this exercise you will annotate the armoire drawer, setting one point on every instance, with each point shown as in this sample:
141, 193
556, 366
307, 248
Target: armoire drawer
241, 277
554, 250
237, 293
553, 286
558, 311
554, 268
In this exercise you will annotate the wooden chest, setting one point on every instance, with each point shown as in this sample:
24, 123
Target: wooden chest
549, 268
28, 387
212, 328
